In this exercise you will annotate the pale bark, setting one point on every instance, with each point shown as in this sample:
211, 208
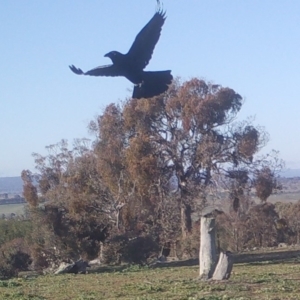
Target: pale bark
207, 253
118, 209
224, 266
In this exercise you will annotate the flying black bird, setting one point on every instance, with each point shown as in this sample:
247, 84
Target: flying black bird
131, 65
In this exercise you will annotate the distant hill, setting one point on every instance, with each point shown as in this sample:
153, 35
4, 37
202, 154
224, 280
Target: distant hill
11, 185
288, 173
15, 184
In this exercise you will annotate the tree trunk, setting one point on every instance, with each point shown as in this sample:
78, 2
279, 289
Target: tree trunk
186, 219
118, 218
118, 209
207, 253
224, 266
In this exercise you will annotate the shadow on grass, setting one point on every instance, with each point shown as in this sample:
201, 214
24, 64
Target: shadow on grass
275, 262
108, 269
249, 258
288, 257
271, 257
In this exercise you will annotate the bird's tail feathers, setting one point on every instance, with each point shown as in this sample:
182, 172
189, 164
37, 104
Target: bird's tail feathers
154, 84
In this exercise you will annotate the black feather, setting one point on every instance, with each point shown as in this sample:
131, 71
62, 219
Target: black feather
132, 64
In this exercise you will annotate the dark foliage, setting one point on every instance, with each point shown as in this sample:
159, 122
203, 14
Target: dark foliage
14, 257
121, 249
14, 229
265, 182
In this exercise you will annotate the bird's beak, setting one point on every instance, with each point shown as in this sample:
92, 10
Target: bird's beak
106, 55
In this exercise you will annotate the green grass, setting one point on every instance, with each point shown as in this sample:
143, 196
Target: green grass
265, 280
17, 209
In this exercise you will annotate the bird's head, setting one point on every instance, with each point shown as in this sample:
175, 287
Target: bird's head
113, 55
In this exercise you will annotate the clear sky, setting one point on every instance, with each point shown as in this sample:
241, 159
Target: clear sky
252, 46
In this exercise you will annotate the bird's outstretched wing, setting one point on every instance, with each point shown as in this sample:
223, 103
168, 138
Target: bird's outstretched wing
108, 70
144, 43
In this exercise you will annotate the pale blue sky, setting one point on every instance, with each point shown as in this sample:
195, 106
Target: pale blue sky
252, 46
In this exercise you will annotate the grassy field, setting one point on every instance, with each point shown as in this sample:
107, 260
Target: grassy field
284, 197
265, 280
17, 209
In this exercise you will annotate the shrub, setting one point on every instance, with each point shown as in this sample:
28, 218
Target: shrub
256, 228
12, 229
120, 248
188, 247
139, 249
112, 249
289, 222
14, 257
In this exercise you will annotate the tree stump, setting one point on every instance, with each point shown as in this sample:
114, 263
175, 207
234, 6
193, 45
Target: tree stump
224, 266
207, 253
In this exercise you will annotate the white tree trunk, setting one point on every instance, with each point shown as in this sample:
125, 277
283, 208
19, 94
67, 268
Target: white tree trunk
207, 253
224, 266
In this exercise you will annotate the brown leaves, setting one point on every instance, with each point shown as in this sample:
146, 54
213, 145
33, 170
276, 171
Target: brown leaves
204, 105
183, 130
248, 142
141, 162
264, 183
29, 189
139, 114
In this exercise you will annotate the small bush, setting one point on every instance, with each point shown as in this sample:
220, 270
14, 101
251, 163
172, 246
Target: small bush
257, 228
113, 249
139, 249
189, 246
12, 229
14, 257
120, 248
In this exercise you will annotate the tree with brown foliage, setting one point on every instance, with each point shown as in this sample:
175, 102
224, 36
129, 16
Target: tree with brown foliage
188, 133
29, 189
76, 209
265, 183
289, 220
153, 163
